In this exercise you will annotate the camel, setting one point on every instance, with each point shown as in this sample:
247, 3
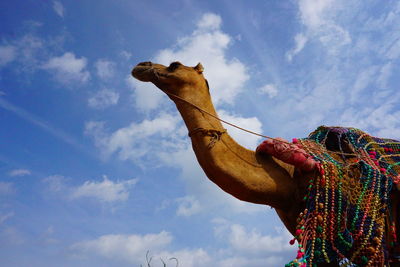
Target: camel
243, 173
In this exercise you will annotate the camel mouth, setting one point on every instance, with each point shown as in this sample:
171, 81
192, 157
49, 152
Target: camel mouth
143, 71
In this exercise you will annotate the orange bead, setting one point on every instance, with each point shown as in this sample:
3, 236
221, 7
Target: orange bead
371, 250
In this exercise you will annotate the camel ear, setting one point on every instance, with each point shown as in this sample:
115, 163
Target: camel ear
199, 68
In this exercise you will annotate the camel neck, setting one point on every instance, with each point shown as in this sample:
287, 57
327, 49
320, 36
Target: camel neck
232, 167
195, 118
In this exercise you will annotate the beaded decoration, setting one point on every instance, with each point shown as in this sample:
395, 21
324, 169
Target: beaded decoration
348, 218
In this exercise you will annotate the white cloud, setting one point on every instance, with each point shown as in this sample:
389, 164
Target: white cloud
243, 248
246, 139
251, 248
269, 89
7, 54
312, 12
133, 249
68, 68
56, 183
209, 21
255, 243
300, 40
19, 172
126, 55
29, 50
208, 45
379, 120
6, 188
105, 68
188, 206
320, 17
58, 8
105, 191
146, 96
187, 257
25, 50
103, 99
127, 247
134, 141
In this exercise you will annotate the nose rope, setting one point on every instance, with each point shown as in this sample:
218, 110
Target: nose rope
216, 117
240, 128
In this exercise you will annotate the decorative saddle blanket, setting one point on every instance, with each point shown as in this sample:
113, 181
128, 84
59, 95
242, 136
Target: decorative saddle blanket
351, 216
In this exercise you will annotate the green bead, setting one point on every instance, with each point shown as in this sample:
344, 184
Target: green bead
318, 241
364, 260
319, 229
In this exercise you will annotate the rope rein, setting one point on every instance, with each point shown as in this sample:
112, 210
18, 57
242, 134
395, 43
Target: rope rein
207, 131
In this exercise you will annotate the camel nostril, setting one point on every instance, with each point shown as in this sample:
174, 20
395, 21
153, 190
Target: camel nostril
146, 63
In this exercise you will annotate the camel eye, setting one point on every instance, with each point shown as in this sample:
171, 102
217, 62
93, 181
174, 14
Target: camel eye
174, 65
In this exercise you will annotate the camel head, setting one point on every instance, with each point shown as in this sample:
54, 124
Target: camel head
175, 79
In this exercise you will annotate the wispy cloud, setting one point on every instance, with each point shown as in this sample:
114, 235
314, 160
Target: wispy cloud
19, 172
7, 54
104, 191
319, 19
103, 99
20, 112
187, 206
269, 89
105, 68
56, 183
352, 83
300, 41
25, 50
59, 8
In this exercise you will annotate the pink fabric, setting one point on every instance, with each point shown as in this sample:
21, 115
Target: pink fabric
287, 152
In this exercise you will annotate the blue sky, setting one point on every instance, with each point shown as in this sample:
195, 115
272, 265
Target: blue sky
96, 168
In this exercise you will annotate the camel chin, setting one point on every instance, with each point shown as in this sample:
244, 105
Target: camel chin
143, 72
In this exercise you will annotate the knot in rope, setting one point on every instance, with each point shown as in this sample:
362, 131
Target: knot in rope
213, 133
